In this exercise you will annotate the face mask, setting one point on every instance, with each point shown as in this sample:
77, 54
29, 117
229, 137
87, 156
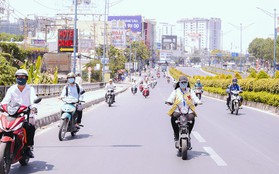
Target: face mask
71, 80
183, 85
21, 81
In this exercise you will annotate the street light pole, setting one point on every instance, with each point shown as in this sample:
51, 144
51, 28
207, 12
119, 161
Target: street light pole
275, 36
104, 44
240, 47
75, 37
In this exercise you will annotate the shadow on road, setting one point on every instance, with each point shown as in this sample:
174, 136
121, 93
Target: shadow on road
193, 154
32, 167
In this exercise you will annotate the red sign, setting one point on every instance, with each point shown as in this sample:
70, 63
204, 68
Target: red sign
66, 40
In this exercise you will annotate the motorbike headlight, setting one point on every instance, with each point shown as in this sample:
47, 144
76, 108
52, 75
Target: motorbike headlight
183, 119
12, 109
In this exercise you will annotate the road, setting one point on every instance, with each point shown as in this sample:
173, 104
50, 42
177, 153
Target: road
135, 136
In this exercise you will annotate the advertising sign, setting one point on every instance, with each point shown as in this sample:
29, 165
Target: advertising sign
130, 22
169, 42
66, 40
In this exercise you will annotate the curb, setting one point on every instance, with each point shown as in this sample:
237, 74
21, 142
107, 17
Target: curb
260, 106
56, 116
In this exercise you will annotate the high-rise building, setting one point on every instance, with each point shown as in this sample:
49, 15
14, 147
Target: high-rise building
200, 33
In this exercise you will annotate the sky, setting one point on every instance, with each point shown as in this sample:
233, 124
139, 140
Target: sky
256, 23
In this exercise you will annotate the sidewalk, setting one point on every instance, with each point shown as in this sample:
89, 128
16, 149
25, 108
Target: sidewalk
49, 108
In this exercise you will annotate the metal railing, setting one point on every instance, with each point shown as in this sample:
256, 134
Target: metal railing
51, 90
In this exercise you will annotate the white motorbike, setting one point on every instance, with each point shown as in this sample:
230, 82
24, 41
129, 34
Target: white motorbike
234, 103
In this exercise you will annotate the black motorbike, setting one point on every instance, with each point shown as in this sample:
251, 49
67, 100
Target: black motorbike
109, 95
184, 141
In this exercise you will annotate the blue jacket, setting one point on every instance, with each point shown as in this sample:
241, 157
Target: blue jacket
233, 87
198, 85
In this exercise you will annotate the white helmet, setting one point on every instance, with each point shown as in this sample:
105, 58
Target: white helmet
21, 72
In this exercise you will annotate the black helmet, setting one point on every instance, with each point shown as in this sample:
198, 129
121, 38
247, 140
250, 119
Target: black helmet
234, 80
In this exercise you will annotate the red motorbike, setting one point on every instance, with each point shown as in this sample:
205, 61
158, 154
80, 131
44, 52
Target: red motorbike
145, 92
13, 135
140, 87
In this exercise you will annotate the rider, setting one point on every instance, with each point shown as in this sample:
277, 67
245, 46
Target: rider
198, 84
182, 99
110, 85
233, 87
134, 85
78, 79
72, 89
24, 94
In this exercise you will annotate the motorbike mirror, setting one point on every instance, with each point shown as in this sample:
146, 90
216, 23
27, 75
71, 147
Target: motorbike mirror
82, 92
38, 100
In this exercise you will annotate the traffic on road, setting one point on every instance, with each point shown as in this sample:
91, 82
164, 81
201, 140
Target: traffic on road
136, 135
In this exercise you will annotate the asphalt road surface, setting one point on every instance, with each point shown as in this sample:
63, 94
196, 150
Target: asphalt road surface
134, 136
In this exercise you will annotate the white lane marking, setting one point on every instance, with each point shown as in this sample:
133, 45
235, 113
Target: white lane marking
198, 137
219, 161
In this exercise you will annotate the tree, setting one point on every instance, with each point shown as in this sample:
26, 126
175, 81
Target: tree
7, 72
14, 54
11, 37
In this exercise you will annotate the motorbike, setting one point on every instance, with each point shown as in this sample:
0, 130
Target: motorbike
109, 99
184, 141
145, 92
69, 116
234, 103
134, 89
13, 135
168, 80
198, 92
140, 87
158, 75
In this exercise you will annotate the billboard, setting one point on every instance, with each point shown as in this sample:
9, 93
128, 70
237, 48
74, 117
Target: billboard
169, 42
124, 29
66, 40
134, 23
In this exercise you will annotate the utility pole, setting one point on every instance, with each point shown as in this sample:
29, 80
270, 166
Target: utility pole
104, 45
75, 36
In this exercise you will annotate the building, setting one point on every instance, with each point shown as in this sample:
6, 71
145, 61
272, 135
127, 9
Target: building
200, 34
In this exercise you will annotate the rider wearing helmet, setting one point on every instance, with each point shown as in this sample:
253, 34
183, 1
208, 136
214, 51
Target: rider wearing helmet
78, 79
24, 94
110, 85
72, 89
182, 100
233, 87
198, 84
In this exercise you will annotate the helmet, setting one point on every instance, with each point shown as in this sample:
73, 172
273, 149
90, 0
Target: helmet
234, 80
71, 75
110, 80
198, 80
183, 79
21, 72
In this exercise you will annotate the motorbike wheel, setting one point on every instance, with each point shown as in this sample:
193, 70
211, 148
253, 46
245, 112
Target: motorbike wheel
63, 130
5, 161
24, 160
110, 102
73, 133
184, 149
236, 108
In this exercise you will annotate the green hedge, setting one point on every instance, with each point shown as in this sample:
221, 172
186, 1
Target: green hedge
259, 97
262, 90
